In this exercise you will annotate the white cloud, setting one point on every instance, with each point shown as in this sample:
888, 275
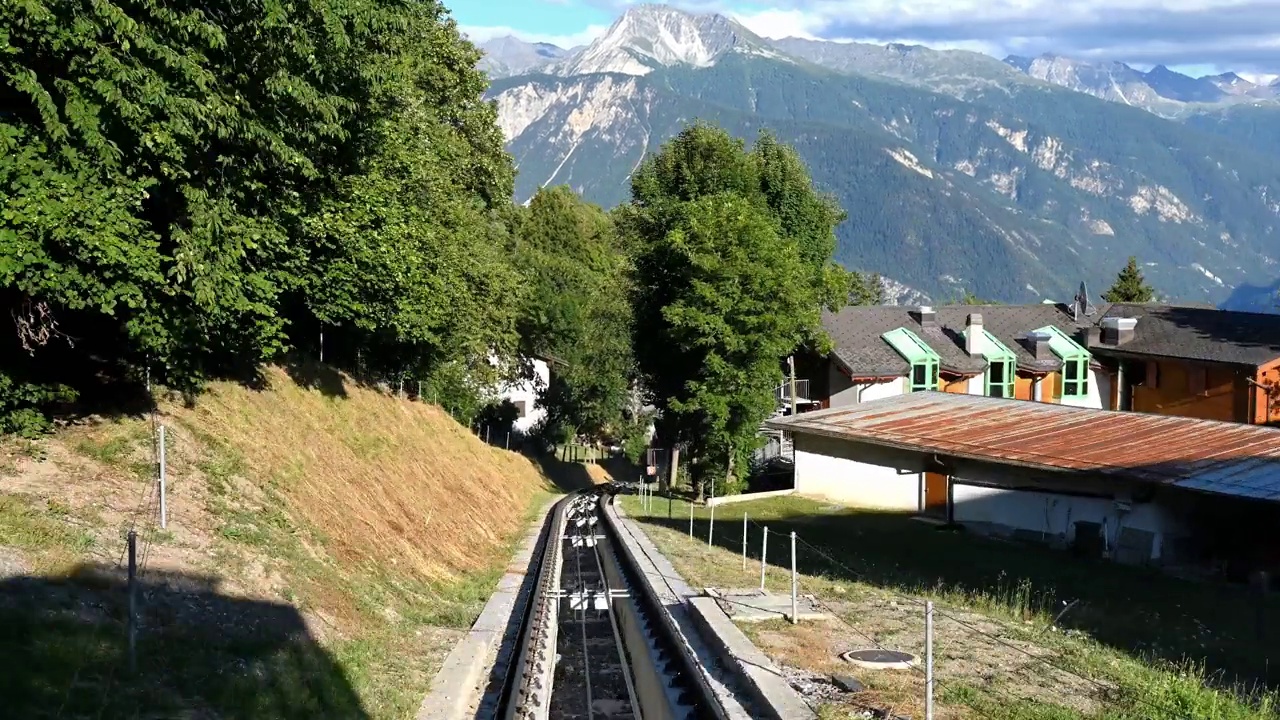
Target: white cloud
1228, 34
483, 33
779, 24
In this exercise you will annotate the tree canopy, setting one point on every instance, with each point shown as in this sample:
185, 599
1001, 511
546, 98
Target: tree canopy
577, 313
196, 190
731, 253
1130, 286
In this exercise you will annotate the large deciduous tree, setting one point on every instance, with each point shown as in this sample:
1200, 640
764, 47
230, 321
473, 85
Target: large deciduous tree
577, 311
732, 268
190, 186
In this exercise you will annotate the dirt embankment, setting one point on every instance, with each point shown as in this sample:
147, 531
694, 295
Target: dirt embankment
324, 546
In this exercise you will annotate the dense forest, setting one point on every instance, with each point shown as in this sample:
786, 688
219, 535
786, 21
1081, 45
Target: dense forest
191, 194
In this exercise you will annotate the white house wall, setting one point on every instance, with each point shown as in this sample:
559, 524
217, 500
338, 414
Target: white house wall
1053, 516
526, 391
867, 477
842, 392
1099, 393
826, 468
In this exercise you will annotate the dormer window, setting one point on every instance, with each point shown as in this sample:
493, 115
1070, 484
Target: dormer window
924, 361
1002, 366
1075, 364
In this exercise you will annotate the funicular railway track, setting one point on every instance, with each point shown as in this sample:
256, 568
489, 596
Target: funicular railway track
594, 643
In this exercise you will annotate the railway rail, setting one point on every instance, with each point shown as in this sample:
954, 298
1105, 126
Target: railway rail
595, 645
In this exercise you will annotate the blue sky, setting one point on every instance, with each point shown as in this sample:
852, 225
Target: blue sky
1196, 36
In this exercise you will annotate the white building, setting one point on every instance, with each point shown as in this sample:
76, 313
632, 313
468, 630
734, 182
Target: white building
523, 394
1131, 486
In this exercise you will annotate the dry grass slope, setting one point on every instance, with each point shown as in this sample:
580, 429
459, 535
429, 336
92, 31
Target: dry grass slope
381, 523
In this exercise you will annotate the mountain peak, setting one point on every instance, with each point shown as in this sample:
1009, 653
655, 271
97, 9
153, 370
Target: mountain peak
650, 36
509, 55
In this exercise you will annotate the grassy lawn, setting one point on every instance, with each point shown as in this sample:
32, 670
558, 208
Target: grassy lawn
1022, 632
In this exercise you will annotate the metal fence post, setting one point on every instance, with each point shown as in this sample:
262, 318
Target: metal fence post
928, 660
164, 505
764, 556
690, 518
744, 542
711, 526
133, 610
794, 580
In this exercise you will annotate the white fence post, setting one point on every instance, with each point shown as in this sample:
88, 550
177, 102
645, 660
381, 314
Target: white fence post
764, 556
691, 518
164, 507
711, 526
744, 542
794, 581
928, 660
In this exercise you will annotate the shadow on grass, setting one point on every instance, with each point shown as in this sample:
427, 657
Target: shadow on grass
315, 375
571, 476
1139, 611
63, 652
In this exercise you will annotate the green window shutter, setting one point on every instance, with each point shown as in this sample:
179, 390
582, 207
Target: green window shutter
924, 361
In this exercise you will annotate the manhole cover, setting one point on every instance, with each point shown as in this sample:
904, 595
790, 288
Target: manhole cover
880, 659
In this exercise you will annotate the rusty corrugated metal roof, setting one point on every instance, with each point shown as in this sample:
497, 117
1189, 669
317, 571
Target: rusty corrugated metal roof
1204, 455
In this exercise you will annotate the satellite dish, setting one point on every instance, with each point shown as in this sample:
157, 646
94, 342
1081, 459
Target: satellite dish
1082, 306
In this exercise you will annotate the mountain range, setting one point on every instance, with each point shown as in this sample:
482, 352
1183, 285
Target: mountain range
1013, 179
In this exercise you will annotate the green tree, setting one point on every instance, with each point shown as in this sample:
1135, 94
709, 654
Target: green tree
577, 311
193, 189
1130, 286
732, 267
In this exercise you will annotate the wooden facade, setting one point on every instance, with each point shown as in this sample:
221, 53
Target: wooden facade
1265, 400
1205, 391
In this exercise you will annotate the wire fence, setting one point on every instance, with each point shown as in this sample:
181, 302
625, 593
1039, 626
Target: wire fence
770, 564
144, 519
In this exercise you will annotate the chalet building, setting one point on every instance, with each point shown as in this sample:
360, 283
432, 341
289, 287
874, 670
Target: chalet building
1062, 462
1170, 360
1192, 362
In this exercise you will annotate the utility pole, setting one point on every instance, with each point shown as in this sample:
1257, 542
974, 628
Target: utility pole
791, 364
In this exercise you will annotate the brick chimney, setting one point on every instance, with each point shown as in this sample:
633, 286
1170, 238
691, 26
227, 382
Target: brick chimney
1117, 331
975, 341
928, 318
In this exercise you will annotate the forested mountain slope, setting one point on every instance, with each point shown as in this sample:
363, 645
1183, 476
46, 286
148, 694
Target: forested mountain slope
1014, 193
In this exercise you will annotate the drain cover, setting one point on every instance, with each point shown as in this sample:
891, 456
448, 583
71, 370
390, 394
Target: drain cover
880, 659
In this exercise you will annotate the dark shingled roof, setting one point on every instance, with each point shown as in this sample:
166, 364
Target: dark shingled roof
1188, 332
855, 334
1197, 333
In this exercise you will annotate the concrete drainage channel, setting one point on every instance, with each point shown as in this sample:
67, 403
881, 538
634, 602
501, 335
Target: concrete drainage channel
606, 629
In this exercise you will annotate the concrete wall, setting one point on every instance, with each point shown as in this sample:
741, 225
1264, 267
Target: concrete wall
844, 392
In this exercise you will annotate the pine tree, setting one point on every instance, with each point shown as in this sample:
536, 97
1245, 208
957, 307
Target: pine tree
1130, 286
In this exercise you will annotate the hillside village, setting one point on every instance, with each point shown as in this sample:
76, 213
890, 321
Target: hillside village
358, 369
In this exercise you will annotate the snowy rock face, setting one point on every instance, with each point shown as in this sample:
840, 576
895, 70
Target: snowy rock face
651, 36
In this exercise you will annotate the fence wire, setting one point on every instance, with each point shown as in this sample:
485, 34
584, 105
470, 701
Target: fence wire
727, 520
